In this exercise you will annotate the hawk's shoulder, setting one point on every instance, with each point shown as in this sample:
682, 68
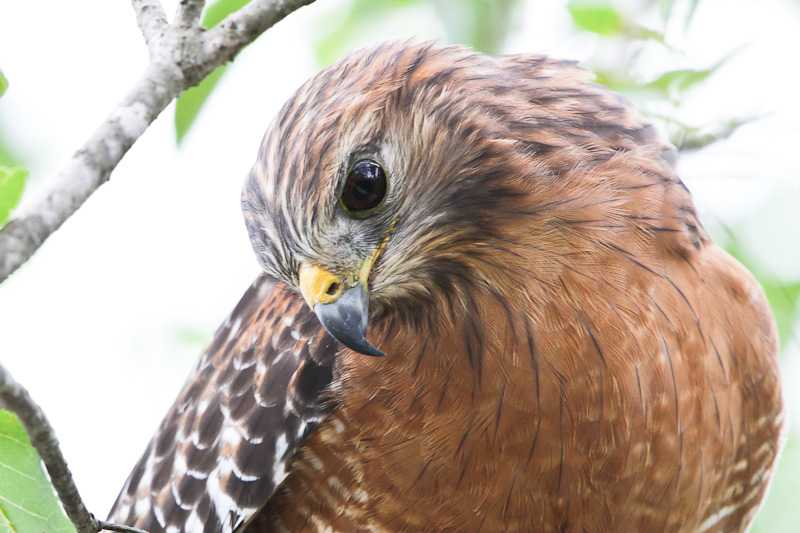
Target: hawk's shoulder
228, 441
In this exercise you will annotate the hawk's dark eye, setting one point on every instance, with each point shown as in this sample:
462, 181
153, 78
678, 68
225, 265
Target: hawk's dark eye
365, 187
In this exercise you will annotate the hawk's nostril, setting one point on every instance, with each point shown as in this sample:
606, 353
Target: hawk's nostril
333, 288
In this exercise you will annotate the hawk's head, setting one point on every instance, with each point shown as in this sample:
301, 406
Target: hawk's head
406, 175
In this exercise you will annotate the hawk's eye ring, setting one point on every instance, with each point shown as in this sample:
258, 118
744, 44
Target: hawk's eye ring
365, 187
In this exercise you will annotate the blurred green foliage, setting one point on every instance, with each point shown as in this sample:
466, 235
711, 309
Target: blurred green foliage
196, 337
482, 24
597, 17
485, 25
662, 90
27, 499
12, 185
667, 8
192, 100
12, 178
7, 156
359, 16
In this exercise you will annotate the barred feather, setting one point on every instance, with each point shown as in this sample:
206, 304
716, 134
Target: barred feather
231, 436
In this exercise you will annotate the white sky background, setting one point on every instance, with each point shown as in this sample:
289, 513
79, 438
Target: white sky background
92, 324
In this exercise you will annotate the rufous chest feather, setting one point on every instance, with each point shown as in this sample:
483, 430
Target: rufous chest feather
577, 416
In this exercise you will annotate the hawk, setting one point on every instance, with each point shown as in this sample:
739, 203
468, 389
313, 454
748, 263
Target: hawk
487, 305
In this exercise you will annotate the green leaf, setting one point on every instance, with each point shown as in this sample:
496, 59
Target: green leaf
191, 102
362, 14
597, 17
674, 83
28, 502
646, 34
691, 138
12, 184
216, 12
481, 24
621, 82
3, 83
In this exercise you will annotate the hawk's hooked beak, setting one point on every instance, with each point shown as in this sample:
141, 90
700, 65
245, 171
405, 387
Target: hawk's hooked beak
342, 311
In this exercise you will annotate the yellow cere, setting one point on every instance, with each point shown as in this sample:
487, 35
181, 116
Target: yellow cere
319, 286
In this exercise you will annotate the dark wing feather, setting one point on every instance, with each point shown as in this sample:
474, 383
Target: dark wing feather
257, 392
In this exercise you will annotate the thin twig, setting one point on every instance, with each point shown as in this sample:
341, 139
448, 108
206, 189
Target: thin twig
16, 398
90, 167
179, 59
106, 526
151, 19
243, 26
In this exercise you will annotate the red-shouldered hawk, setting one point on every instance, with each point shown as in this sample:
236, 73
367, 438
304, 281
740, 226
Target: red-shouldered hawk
565, 348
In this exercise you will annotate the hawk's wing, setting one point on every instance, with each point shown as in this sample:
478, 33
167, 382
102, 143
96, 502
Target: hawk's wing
229, 440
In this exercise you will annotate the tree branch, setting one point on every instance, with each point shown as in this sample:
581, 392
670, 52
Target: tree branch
15, 397
188, 14
179, 59
243, 26
106, 526
43, 437
151, 19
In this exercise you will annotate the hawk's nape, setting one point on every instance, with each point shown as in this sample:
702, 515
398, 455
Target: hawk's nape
566, 350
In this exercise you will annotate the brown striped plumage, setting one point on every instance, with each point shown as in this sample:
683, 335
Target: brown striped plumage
566, 348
